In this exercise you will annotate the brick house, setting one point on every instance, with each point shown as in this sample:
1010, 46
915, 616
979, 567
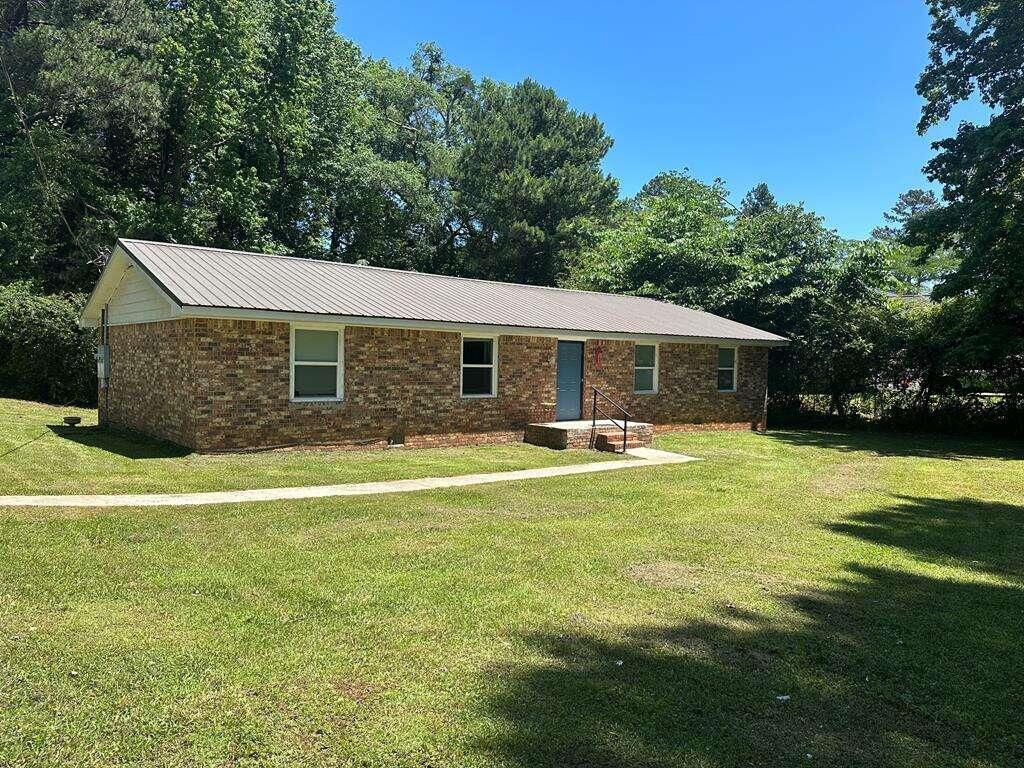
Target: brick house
223, 350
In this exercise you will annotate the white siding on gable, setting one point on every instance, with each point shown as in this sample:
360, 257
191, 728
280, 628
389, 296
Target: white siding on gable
137, 300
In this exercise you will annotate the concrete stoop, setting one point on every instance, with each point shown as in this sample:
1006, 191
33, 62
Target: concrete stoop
605, 435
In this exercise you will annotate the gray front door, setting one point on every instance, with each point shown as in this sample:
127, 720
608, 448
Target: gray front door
569, 381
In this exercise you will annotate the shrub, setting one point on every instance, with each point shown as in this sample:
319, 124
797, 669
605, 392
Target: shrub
950, 413
44, 355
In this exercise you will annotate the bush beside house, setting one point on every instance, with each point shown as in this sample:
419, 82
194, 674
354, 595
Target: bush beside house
44, 355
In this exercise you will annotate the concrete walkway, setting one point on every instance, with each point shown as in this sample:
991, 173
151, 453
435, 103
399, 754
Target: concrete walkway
639, 457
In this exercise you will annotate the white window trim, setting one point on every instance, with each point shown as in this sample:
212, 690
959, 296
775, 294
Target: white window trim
493, 366
340, 365
654, 378
735, 368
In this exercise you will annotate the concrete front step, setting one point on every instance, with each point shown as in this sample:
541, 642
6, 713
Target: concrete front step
617, 441
582, 434
604, 441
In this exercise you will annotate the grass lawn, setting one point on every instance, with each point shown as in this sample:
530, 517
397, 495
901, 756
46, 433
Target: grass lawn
798, 598
40, 455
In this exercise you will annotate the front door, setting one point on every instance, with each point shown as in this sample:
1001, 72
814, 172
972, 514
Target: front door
569, 381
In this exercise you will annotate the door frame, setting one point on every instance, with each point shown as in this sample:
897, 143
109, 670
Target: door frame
583, 369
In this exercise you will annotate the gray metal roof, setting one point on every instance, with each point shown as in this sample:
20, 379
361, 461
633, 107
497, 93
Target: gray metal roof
200, 277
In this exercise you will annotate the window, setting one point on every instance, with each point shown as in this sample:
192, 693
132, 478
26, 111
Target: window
727, 369
479, 373
316, 363
645, 368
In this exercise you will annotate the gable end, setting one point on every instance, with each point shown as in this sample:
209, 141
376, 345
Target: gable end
129, 293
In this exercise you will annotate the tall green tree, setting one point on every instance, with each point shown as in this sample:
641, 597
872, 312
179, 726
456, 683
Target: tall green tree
222, 123
248, 132
405, 213
908, 206
977, 49
915, 268
778, 268
529, 182
670, 243
79, 102
757, 201
801, 280
839, 336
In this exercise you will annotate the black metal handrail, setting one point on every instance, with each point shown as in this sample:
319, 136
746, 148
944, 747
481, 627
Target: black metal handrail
596, 409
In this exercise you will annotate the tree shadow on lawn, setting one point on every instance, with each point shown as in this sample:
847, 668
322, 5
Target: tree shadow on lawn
131, 445
897, 444
883, 668
967, 533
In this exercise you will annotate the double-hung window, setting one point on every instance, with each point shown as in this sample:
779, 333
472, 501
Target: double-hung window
479, 371
645, 368
317, 363
727, 369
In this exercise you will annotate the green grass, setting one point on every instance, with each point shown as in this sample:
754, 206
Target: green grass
649, 617
38, 454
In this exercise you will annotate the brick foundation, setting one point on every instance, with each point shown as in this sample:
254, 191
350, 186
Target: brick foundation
217, 385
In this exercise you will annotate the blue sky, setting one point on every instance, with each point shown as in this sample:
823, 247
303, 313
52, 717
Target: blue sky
815, 98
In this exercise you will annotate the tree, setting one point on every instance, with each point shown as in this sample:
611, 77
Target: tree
245, 154
801, 280
757, 201
915, 269
405, 213
779, 269
529, 183
669, 243
908, 206
836, 348
221, 123
80, 102
978, 48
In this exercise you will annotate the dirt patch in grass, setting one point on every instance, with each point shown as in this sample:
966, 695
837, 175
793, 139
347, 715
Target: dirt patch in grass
356, 690
671, 574
846, 478
321, 690
778, 583
668, 573
306, 715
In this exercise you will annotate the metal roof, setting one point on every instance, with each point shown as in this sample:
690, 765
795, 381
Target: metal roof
212, 278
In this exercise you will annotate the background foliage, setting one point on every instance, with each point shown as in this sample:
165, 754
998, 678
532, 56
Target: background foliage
44, 355
254, 125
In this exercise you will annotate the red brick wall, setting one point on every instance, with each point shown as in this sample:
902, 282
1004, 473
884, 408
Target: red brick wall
224, 384
687, 385
152, 377
399, 384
